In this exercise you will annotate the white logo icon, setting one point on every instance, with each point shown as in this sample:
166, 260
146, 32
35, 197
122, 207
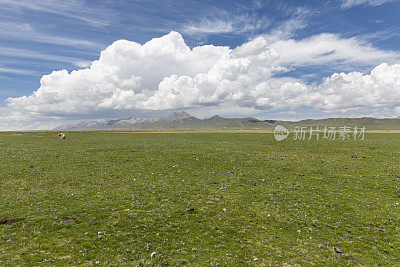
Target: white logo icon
280, 133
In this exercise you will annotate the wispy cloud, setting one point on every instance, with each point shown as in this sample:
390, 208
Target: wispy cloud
23, 53
345, 4
226, 23
223, 22
20, 31
286, 29
18, 71
250, 5
73, 9
381, 35
331, 51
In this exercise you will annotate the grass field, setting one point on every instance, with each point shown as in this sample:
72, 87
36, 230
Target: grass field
198, 199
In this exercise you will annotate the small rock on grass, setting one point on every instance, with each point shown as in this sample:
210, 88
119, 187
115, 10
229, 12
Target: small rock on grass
337, 250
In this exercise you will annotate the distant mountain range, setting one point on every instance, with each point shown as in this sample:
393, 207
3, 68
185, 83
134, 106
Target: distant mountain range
185, 121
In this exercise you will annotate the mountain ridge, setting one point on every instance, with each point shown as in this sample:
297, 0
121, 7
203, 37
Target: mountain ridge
185, 121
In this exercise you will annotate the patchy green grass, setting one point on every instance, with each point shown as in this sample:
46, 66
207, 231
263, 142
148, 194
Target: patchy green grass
198, 198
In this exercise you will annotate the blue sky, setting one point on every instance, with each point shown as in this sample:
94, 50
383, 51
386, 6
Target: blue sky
38, 37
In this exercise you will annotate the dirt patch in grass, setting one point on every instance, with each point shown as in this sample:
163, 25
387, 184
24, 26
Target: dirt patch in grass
10, 221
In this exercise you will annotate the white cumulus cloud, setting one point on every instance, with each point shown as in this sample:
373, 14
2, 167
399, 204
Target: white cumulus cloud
165, 74
379, 89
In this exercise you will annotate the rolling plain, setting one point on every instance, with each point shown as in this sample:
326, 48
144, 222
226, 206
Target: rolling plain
198, 198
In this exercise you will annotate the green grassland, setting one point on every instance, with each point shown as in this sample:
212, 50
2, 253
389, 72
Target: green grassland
198, 199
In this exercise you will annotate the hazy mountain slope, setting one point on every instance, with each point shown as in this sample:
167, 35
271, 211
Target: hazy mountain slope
369, 123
